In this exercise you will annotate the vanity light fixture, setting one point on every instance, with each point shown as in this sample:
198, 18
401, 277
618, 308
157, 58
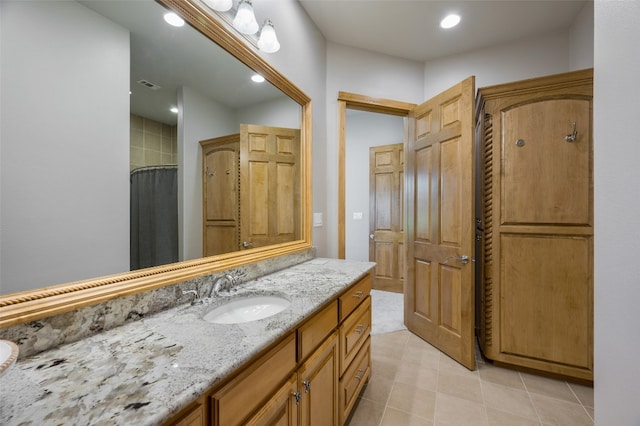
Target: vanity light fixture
450, 21
268, 41
219, 5
257, 78
245, 20
173, 19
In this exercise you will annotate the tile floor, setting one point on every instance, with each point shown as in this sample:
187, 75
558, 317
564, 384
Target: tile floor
413, 383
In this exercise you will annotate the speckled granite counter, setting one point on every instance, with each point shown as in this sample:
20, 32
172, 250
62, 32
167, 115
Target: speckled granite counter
143, 372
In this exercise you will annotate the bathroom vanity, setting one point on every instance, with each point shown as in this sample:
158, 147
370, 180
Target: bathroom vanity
305, 364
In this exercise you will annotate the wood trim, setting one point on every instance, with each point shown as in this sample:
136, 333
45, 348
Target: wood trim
346, 101
18, 308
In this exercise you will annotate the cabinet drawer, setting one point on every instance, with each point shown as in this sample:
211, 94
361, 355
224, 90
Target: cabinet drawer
354, 380
354, 296
353, 333
240, 397
314, 331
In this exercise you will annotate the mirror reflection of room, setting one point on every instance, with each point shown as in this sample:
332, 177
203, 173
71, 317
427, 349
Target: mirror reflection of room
139, 104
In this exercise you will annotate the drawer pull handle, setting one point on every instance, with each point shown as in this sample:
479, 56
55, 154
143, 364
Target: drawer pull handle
360, 374
360, 328
359, 295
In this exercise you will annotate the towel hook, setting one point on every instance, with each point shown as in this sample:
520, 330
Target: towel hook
571, 137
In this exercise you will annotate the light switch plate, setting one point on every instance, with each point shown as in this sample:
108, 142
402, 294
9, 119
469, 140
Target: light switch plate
357, 215
317, 219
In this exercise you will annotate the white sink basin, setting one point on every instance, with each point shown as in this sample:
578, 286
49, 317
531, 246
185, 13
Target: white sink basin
245, 309
8, 355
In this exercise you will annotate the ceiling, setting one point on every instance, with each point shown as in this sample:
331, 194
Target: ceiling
173, 57
410, 29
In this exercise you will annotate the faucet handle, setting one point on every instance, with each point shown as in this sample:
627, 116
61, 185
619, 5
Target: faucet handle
196, 300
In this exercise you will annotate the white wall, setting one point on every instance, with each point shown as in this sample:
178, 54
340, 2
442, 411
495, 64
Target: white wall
282, 112
363, 130
199, 118
519, 60
64, 145
302, 59
581, 39
367, 73
617, 209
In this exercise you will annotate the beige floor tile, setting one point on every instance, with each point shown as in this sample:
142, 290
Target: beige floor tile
384, 366
422, 377
454, 411
548, 387
366, 413
500, 418
414, 341
393, 417
510, 400
591, 413
378, 389
416, 358
584, 393
396, 340
448, 364
462, 386
558, 412
500, 376
412, 400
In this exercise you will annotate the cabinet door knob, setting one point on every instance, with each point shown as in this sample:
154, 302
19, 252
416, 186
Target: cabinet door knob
297, 397
307, 386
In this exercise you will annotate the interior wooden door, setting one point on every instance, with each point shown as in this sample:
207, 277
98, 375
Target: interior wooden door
439, 289
386, 216
270, 185
220, 195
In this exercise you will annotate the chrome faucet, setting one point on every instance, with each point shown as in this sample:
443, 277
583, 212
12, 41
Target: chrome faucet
223, 282
196, 300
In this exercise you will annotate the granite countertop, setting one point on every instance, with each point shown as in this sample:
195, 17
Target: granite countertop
144, 372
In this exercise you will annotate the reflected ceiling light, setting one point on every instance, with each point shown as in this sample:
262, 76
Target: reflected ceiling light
245, 20
257, 78
219, 5
450, 21
174, 110
268, 41
173, 19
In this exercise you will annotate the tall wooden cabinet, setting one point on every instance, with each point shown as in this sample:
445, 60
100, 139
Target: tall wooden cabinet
535, 223
250, 189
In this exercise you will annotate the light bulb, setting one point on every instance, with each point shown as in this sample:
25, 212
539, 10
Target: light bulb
450, 21
173, 19
268, 41
219, 5
245, 20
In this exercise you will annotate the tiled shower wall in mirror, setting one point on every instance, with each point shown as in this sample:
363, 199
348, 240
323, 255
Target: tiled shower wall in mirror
152, 143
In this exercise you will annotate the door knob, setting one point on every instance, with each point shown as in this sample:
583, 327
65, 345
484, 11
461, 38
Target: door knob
246, 244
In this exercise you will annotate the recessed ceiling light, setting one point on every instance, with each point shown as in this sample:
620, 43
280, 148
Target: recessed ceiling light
450, 21
257, 78
173, 19
174, 110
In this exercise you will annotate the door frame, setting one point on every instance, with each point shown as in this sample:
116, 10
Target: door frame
346, 101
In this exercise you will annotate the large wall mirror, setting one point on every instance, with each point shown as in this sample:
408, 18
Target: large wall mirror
88, 88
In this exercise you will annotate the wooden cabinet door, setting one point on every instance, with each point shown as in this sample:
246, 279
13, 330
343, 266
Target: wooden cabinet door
270, 185
281, 409
386, 224
439, 289
318, 385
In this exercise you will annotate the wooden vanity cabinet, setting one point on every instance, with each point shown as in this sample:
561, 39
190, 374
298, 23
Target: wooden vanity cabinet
355, 352
312, 376
535, 223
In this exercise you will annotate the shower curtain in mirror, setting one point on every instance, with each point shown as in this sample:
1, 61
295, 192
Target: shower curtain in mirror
154, 216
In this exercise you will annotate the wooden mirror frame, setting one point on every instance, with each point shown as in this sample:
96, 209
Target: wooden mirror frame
17, 308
